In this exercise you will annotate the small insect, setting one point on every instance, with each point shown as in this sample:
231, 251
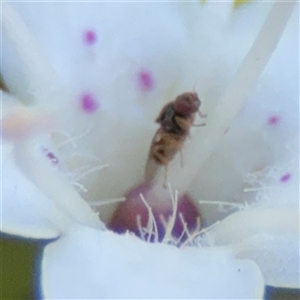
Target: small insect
175, 119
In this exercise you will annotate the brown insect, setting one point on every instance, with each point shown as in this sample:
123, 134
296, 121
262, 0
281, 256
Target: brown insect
175, 119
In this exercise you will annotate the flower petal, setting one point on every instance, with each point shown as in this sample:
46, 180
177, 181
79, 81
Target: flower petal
268, 236
112, 266
277, 257
28, 170
24, 208
25, 69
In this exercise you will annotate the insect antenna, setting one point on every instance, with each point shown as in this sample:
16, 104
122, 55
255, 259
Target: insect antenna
201, 114
194, 87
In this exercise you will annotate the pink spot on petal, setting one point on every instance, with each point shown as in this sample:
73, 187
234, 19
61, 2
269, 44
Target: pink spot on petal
51, 156
88, 103
285, 178
145, 81
89, 37
273, 120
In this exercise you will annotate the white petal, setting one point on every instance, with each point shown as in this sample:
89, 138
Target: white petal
59, 202
268, 236
90, 264
26, 70
55, 186
277, 257
24, 208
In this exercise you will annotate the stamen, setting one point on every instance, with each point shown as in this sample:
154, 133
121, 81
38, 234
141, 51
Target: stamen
106, 201
223, 203
70, 139
141, 229
184, 231
256, 189
80, 186
171, 223
192, 236
95, 169
206, 230
152, 226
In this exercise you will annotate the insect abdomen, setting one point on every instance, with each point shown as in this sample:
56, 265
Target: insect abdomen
165, 146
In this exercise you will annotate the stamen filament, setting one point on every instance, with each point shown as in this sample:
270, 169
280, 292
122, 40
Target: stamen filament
237, 205
152, 226
95, 169
106, 201
171, 223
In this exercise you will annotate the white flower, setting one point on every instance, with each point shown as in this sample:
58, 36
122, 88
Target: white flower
86, 81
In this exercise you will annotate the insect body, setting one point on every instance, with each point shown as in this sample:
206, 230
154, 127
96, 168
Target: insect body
175, 119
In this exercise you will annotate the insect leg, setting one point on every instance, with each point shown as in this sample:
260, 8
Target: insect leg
198, 125
184, 124
165, 176
181, 157
201, 114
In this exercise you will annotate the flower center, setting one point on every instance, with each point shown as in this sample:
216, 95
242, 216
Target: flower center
171, 220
